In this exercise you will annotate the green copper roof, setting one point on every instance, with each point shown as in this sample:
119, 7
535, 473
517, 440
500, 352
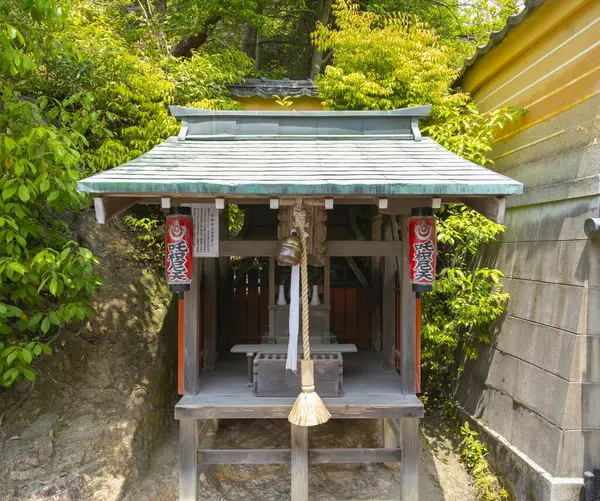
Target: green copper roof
300, 153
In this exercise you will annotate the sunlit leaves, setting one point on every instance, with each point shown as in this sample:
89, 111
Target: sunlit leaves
45, 279
467, 297
382, 61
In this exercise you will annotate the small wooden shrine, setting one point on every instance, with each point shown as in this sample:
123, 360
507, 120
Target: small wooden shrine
323, 164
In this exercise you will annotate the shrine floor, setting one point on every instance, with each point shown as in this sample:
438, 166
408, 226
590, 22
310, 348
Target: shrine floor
442, 477
369, 392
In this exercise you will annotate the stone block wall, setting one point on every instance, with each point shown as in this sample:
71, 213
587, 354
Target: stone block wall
538, 381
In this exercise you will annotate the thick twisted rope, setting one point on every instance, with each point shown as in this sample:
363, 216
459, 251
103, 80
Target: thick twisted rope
302, 225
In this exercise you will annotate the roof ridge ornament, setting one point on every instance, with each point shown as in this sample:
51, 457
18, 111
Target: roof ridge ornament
414, 127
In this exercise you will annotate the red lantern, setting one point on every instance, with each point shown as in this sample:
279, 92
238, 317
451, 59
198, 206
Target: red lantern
178, 250
423, 249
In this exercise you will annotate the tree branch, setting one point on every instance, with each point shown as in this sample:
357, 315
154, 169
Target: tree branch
190, 43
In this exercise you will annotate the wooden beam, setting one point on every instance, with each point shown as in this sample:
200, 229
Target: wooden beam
376, 225
109, 207
359, 274
299, 453
191, 359
388, 301
365, 248
272, 289
225, 291
380, 455
394, 428
248, 248
410, 459
335, 248
327, 285
403, 205
210, 314
251, 407
408, 321
353, 226
390, 438
315, 456
492, 208
244, 456
188, 463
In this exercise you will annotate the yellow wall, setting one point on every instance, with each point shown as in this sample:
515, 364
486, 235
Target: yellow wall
548, 64
304, 103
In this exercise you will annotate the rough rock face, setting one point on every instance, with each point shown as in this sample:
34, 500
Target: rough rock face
104, 399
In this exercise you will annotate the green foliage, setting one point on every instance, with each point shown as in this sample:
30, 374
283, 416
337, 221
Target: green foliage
382, 62
46, 280
389, 61
462, 26
285, 101
200, 80
149, 232
386, 61
467, 132
471, 449
80, 93
473, 453
466, 299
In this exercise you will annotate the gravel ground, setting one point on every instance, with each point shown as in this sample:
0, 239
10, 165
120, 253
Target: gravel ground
443, 478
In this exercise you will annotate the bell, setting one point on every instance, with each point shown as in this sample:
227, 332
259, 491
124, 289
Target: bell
290, 250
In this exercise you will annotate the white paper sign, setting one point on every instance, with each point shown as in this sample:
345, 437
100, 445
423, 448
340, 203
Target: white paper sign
206, 230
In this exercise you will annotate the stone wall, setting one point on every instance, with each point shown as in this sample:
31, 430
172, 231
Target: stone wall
537, 383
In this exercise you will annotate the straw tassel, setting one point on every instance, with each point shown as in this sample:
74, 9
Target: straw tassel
309, 409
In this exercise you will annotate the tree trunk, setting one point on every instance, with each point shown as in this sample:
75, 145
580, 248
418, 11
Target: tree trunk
323, 12
190, 43
257, 52
160, 6
249, 40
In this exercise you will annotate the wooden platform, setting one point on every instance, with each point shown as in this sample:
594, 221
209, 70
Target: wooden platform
282, 348
370, 392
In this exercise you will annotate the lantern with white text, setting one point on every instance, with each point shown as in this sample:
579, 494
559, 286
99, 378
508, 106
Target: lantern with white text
178, 249
423, 249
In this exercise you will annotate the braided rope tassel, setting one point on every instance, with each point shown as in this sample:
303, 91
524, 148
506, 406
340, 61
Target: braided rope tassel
309, 409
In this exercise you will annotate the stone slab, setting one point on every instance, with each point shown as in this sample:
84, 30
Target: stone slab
586, 360
578, 123
582, 407
529, 480
592, 325
568, 165
554, 305
561, 220
579, 451
564, 220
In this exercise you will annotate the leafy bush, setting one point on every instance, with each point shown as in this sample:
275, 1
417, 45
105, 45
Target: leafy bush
46, 279
473, 453
149, 231
465, 300
386, 61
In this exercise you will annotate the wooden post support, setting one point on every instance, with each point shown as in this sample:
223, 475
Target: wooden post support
410, 459
390, 440
191, 359
212, 426
327, 284
408, 321
224, 325
210, 314
299, 463
272, 289
388, 302
376, 224
188, 463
